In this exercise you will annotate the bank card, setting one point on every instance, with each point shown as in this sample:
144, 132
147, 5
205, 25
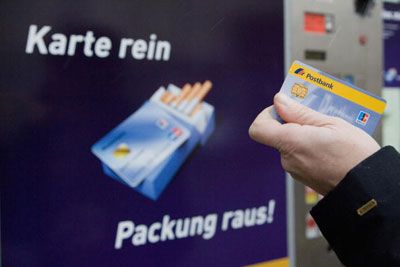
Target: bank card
139, 144
332, 96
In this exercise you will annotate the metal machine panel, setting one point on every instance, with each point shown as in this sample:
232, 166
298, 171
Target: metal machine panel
346, 43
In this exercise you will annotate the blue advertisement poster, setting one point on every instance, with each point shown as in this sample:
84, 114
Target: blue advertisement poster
124, 133
391, 33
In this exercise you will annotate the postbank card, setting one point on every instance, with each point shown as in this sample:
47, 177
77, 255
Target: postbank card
333, 97
140, 143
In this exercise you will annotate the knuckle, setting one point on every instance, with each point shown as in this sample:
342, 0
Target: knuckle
302, 110
288, 146
292, 136
254, 129
302, 113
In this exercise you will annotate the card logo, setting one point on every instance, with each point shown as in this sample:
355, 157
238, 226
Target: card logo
319, 81
162, 123
175, 133
299, 90
316, 79
299, 71
362, 118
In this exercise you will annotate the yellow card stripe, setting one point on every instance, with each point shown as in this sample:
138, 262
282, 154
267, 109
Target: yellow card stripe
283, 262
339, 89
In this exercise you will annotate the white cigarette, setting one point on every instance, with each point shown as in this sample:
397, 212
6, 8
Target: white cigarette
205, 88
185, 91
196, 87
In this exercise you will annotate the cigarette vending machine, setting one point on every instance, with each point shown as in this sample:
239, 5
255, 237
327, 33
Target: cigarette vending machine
342, 38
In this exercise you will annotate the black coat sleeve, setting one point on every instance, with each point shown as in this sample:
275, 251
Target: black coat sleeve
373, 238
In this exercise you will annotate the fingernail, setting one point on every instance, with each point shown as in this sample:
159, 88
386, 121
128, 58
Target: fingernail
283, 99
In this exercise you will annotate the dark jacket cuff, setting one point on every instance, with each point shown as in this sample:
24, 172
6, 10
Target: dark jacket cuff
377, 177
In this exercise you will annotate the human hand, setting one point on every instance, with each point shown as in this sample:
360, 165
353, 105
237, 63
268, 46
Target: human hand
316, 149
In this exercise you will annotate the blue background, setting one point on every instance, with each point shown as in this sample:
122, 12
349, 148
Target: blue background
57, 206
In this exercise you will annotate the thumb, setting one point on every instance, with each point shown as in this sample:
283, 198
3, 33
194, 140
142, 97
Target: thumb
293, 112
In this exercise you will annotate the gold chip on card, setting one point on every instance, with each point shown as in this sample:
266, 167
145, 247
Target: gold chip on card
121, 151
299, 90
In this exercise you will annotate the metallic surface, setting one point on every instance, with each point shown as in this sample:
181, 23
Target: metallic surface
353, 49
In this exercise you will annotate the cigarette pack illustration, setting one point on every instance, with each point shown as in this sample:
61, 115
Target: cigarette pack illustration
146, 150
333, 97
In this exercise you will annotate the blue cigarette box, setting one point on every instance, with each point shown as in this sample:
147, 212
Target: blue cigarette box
201, 125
